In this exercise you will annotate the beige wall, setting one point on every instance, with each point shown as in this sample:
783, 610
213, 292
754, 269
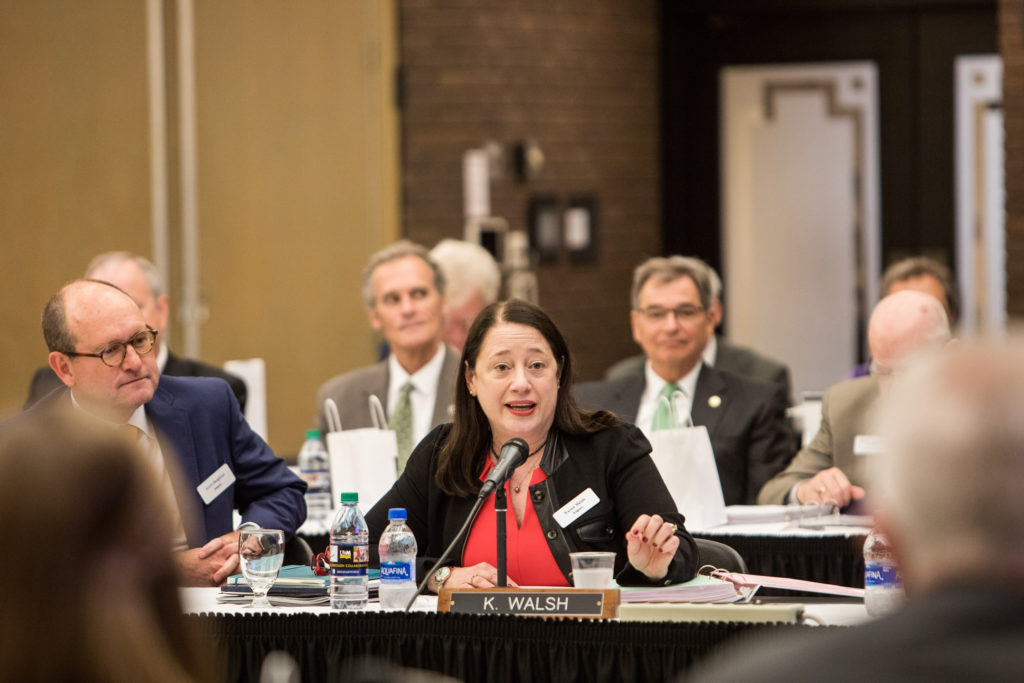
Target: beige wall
73, 159
296, 168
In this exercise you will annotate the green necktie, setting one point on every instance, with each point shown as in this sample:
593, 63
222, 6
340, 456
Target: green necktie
663, 414
401, 422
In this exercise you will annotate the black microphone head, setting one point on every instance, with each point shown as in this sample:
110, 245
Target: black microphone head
522, 450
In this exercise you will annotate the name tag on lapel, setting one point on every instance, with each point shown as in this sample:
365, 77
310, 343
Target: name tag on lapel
576, 507
868, 444
215, 484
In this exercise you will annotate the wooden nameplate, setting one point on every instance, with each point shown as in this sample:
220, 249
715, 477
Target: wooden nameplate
581, 603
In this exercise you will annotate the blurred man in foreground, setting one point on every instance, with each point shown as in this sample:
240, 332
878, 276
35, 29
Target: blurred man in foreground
948, 494
210, 462
141, 280
830, 469
86, 497
472, 282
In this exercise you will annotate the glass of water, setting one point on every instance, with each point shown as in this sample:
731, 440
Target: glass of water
261, 553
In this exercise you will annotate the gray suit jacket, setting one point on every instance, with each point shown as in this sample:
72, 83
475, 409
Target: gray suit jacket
352, 391
749, 433
845, 409
738, 360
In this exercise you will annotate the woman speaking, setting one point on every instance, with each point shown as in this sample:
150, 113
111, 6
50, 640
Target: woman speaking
516, 382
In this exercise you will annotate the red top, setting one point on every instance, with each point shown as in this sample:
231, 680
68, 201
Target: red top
530, 562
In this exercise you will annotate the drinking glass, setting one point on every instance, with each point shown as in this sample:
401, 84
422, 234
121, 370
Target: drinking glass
592, 569
261, 553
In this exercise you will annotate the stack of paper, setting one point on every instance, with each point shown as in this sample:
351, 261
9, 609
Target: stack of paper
761, 514
699, 589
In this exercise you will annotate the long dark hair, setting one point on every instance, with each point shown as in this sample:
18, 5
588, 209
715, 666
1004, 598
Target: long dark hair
462, 456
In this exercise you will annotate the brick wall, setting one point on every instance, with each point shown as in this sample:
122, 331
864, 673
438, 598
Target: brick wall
580, 78
1011, 46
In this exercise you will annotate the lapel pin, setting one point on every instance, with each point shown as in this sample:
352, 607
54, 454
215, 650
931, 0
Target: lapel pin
715, 401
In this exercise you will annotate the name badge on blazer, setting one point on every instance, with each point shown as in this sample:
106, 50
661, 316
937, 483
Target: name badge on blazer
868, 444
576, 507
215, 484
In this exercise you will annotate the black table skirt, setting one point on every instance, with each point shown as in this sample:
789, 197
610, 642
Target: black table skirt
329, 647
827, 559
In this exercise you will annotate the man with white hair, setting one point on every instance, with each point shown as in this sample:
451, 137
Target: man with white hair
829, 468
472, 281
948, 497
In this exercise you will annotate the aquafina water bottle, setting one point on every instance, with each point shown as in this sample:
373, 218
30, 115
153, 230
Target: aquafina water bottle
883, 585
314, 468
349, 556
397, 562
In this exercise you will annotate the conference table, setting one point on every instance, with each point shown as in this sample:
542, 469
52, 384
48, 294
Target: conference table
331, 646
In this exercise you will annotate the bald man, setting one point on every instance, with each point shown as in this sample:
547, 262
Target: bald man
142, 282
828, 470
103, 351
947, 494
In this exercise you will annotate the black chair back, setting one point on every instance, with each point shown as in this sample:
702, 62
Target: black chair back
720, 555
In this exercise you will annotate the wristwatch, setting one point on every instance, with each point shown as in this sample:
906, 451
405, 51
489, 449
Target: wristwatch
440, 576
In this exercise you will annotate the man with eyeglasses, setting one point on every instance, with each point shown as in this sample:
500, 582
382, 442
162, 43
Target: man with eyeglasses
831, 469
141, 280
721, 353
672, 321
191, 428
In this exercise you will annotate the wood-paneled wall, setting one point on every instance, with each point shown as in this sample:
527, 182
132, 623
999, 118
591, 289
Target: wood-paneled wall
297, 169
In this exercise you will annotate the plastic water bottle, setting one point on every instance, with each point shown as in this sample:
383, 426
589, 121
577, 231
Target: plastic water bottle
397, 562
350, 556
315, 470
883, 585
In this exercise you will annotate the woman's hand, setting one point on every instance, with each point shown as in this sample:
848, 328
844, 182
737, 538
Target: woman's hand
480, 575
651, 544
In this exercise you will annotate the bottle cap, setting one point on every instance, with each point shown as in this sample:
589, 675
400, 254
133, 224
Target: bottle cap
396, 513
312, 434
350, 497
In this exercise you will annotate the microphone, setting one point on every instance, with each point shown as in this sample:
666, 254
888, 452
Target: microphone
513, 454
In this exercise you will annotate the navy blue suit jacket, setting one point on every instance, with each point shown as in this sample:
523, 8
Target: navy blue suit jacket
200, 428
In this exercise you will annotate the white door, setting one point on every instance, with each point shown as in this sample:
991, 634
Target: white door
800, 211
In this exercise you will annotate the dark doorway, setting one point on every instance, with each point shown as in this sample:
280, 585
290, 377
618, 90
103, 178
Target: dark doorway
914, 44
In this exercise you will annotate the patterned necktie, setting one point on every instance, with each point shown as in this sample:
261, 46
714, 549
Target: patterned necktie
663, 414
401, 422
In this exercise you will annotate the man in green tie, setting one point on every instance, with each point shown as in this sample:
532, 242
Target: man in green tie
672, 322
404, 291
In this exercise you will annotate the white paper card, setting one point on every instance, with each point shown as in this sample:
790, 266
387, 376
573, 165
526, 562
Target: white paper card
215, 484
867, 444
576, 507
686, 462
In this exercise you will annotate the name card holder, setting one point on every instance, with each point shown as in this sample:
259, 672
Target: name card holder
581, 603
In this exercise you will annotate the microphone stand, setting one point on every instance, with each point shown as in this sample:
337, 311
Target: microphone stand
500, 507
